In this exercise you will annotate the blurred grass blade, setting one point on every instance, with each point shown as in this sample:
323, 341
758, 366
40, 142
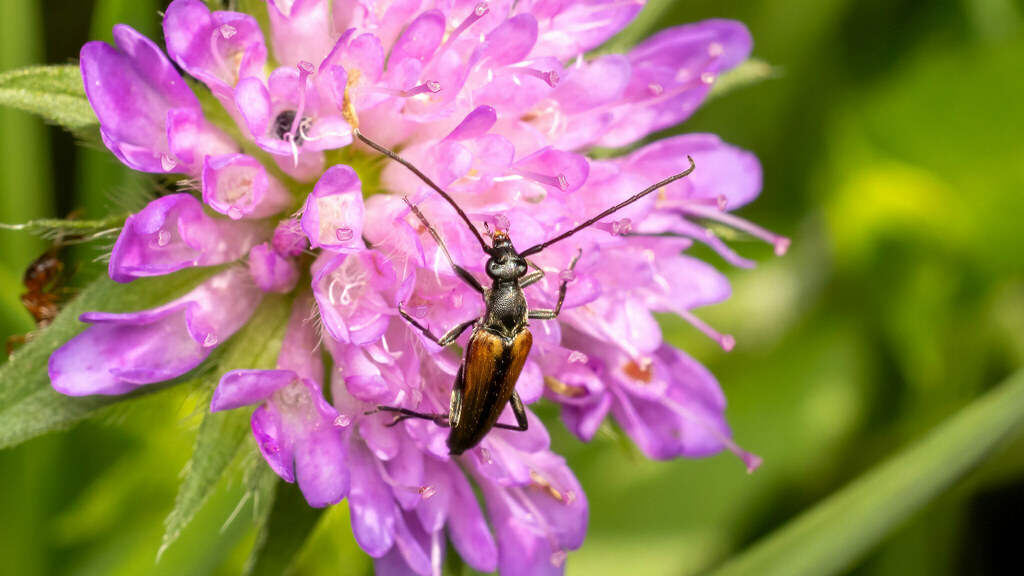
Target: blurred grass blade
53, 92
835, 533
222, 433
28, 406
285, 531
750, 72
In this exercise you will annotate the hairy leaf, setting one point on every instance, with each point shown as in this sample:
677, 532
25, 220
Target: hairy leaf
290, 522
28, 406
53, 92
222, 433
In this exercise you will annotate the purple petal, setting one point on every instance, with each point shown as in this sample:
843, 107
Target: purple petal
393, 563
271, 271
218, 48
320, 467
373, 511
572, 28
348, 292
669, 45
420, 39
467, 527
191, 139
131, 88
289, 239
406, 470
673, 72
244, 387
172, 233
723, 172
253, 100
595, 84
510, 42
691, 283
121, 352
333, 217
300, 349
238, 185
275, 446
563, 171
117, 357
413, 543
475, 124
300, 30
433, 511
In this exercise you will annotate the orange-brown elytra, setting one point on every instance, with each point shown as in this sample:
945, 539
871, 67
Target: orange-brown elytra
501, 339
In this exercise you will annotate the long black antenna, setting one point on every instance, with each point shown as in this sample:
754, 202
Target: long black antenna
564, 235
427, 181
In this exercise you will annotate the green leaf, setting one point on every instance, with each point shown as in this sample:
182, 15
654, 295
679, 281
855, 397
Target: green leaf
835, 533
53, 92
290, 522
221, 434
28, 406
750, 72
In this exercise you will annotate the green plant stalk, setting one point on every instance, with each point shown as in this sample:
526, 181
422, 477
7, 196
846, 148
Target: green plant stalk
829, 538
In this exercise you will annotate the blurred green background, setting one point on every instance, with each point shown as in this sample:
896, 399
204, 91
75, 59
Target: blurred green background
891, 139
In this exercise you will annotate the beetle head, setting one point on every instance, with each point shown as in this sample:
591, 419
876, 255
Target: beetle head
505, 263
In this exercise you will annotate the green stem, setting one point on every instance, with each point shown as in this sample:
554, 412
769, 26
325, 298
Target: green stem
829, 538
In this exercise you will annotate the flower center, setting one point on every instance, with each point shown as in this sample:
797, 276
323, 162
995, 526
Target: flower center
282, 129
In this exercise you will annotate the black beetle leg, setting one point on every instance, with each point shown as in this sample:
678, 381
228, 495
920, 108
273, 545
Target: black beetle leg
448, 337
404, 414
544, 314
520, 414
531, 278
459, 270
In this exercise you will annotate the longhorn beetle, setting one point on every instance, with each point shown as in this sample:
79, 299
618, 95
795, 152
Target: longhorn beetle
501, 338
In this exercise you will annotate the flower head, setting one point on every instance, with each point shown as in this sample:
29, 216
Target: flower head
497, 104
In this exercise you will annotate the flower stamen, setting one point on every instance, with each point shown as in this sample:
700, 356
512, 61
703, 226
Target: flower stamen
479, 11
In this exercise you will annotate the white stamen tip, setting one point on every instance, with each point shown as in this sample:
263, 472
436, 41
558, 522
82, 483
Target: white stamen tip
577, 357
481, 9
552, 78
727, 342
567, 275
344, 234
210, 341
235, 213
427, 491
655, 89
752, 461
227, 31
707, 78
563, 182
485, 456
722, 202
167, 162
621, 227
558, 558
306, 67
781, 246
434, 86
342, 421
163, 238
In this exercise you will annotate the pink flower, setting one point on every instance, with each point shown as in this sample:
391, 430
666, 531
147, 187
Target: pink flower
497, 103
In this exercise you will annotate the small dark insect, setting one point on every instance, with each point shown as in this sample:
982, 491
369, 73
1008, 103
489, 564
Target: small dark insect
501, 339
44, 281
